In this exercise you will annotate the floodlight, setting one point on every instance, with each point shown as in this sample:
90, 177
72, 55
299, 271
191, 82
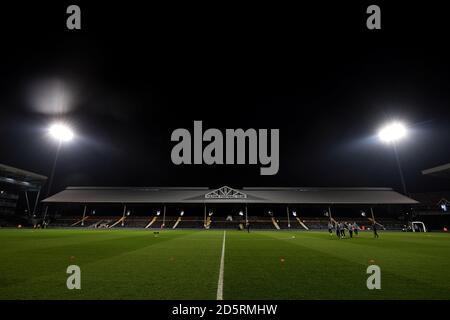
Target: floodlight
128, 213
241, 213
294, 213
444, 207
61, 132
210, 213
158, 213
181, 213
392, 132
363, 213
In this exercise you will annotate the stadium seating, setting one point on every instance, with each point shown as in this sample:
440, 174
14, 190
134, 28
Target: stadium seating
218, 222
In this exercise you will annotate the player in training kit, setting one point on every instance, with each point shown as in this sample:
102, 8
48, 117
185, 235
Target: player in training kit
375, 232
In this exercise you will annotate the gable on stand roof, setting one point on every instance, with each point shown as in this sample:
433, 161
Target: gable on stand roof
225, 193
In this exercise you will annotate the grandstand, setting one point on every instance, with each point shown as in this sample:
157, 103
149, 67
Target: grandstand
434, 207
225, 207
18, 188
439, 171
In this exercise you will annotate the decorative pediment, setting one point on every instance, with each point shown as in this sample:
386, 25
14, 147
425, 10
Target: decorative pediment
225, 193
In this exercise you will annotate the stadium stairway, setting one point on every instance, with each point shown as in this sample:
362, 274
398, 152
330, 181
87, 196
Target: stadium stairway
275, 223
152, 221
95, 224
176, 223
122, 219
101, 222
301, 223
79, 222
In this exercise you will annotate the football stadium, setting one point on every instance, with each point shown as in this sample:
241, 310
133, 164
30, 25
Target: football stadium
201, 161
249, 243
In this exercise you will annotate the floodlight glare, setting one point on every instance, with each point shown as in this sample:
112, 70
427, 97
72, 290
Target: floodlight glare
241, 213
294, 213
181, 213
392, 132
61, 132
158, 213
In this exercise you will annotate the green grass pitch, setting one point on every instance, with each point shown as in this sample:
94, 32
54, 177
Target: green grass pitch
132, 264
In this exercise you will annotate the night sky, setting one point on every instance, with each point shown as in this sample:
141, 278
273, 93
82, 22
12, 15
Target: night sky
133, 74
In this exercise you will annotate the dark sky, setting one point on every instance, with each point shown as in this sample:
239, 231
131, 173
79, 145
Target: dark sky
135, 73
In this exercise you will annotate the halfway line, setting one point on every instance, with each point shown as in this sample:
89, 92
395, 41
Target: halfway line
220, 282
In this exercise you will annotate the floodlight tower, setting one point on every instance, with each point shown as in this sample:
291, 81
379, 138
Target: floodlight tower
390, 134
61, 133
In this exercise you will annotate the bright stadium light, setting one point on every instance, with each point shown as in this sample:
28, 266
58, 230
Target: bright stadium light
181, 213
241, 213
392, 132
61, 132
210, 213
294, 213
158, 213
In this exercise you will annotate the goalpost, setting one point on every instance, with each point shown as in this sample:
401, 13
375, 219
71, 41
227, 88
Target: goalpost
420, 226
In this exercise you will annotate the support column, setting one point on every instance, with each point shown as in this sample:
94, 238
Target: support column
164, 217
45, 212
123, 216
204, 221
28, 202
329, 214
246, 217
373, 217
36, 201
289, 221
84, 215
400, 170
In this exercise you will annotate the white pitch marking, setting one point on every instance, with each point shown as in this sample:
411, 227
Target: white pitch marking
220, 282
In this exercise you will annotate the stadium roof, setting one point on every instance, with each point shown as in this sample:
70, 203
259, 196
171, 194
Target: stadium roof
21, 178
440, 171
230, 195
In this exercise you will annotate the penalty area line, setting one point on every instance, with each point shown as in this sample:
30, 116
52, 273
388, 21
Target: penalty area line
222, 259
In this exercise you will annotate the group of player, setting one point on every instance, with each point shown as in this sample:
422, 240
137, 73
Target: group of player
353, 229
